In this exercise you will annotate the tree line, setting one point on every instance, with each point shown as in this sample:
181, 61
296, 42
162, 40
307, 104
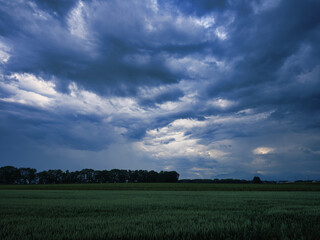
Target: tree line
255, 179
13, 175
228, 180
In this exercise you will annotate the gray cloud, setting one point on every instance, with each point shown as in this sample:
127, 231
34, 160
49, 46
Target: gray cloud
203, 87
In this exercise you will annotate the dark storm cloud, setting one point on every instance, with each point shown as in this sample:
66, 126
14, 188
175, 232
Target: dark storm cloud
264, 41
201, 7
206, 74
87, 47
58, 7
41, 127
172, 94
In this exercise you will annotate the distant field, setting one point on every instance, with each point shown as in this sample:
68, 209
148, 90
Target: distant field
170, 187
90, 215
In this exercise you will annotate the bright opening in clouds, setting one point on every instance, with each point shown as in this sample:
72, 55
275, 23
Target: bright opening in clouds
263, 150
210, 89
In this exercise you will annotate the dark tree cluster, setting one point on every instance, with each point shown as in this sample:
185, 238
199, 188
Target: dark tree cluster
256, 180
12, 175
228, 180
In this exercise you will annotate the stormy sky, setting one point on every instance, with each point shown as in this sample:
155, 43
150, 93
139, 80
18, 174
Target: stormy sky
210, 89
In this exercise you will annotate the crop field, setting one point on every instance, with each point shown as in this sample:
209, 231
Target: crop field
91, 214
169, 187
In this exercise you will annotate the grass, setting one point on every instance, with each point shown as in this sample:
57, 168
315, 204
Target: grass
90, 215
170, 187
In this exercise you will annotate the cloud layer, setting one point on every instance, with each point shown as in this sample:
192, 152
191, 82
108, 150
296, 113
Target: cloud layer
206, 88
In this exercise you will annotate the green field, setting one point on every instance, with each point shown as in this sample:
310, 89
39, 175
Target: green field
170, 187
74, 214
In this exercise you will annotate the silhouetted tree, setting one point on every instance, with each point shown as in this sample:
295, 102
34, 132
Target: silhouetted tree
27, 175
256, 179
42, 177
171, 176
152, 176
9, 175
87, 175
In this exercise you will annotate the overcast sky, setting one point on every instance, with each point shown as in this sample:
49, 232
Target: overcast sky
210, 89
